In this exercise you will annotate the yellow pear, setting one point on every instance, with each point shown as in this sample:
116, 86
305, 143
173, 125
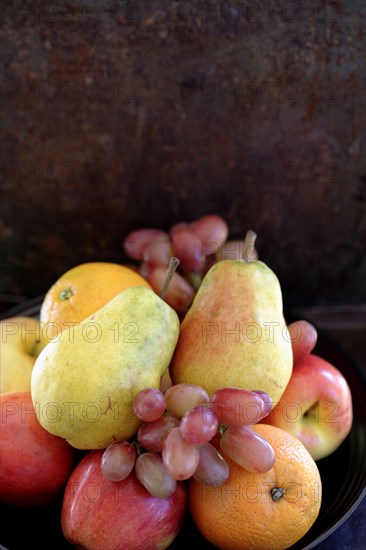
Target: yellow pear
234, 334
19, 337
84, 381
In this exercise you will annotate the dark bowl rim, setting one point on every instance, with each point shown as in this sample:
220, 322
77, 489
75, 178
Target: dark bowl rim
292, 316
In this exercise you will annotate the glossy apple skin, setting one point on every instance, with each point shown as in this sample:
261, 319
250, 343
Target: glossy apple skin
316, 406
34, 464
98, 514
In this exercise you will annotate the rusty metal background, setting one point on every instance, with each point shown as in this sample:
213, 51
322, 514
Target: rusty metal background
117, 115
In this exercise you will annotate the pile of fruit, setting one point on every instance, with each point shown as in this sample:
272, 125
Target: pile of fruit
168, 385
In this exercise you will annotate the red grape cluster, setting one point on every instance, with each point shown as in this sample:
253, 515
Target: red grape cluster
197, 245
174, 440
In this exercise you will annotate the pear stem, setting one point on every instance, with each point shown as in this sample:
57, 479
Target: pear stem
250, 253
173, 264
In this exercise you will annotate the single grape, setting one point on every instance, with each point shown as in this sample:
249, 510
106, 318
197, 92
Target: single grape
182, 397
188, 248
267, 401
180, 458
136, 241
237, 407
118, 460
152, 434
177, 227
303, 339
213, 232
144, 269
151, 473
149, 404
239, 250
180, 293
199, 425
231, 250
248, 449
158, 252
210, 261
212, 468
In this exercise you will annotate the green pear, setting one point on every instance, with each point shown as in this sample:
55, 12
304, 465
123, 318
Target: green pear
234, 334
84, 381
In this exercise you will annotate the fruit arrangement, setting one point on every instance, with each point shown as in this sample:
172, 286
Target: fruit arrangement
168, 386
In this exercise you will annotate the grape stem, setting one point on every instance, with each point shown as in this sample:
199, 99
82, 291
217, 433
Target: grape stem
173, 264
250, 253
195, 280
139, 448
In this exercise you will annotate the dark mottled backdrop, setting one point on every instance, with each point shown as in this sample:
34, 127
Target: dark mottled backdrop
117, 115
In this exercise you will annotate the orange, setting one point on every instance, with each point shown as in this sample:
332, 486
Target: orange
83, 290
269, 511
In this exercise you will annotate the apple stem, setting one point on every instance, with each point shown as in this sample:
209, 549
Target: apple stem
250, 254
222, 429
277, 493
173, 264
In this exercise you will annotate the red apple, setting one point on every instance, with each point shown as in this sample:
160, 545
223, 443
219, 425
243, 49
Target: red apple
303, 339
316, 406
34, 464
99, 514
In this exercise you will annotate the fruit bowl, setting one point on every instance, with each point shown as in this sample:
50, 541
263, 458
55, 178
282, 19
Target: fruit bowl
343, 473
